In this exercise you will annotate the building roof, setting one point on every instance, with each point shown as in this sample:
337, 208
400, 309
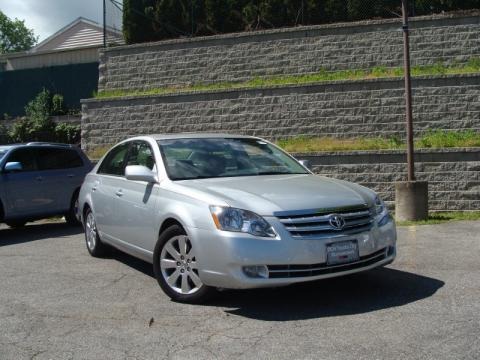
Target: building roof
79, 33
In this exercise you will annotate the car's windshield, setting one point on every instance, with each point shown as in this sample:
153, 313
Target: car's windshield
224, 157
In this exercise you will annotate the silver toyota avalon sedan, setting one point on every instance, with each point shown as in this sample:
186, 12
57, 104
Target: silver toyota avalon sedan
225, 211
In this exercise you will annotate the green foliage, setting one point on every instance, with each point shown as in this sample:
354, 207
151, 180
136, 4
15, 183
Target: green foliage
448, 139
443, 217
14, 35
4, 136
67, 133
137, 21
38, 124
437, 139
473, 66
57, 105
148, 20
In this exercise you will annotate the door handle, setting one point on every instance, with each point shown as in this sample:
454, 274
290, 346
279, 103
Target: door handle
95, 185
71, 175
39, 178
119, 192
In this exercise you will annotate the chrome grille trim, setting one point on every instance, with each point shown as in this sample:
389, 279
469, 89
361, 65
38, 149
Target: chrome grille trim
289, 271
315, 225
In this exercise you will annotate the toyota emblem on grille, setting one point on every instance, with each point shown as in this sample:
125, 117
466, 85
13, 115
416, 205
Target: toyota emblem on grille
337, 222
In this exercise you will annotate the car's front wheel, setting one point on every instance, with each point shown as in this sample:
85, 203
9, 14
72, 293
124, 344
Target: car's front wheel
94, 245
175, 267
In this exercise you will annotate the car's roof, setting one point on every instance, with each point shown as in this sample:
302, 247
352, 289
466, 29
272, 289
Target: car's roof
41, 144
195, 136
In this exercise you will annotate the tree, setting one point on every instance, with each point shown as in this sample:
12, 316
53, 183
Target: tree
138, 21
14, 35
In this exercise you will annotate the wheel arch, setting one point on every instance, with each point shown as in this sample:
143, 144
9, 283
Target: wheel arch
170, 221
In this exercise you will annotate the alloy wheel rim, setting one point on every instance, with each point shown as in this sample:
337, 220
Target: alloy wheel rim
179, 266
91, 231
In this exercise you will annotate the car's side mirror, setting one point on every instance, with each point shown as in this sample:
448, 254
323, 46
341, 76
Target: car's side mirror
306, 163
140, 173
13, 166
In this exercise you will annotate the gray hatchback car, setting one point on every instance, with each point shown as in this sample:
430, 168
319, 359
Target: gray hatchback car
40, 180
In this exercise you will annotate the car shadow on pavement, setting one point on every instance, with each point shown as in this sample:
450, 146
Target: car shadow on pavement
133, 262
36, 231
355, 294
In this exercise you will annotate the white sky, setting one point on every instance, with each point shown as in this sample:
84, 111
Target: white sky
46, 17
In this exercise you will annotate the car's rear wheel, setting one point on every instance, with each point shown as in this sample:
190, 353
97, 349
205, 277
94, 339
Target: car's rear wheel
16, 223
72, 216
175, 266
94, 245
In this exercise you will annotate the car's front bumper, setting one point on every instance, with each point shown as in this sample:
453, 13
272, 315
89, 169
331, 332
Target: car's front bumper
222, 256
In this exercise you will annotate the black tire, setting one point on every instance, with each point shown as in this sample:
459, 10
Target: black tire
202, 294
16, 223
94, 244
71, 216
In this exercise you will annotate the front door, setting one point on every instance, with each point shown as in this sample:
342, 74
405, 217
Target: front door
137, 201
25, 190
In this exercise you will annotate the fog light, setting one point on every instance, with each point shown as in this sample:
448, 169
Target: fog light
256, 271
390, 250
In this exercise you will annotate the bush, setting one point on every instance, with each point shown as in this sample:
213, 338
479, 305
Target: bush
67, 133
38, 124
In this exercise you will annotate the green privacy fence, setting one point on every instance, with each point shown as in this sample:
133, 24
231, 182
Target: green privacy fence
74, 82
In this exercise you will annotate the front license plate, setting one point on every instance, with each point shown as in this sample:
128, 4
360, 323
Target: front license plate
342, 252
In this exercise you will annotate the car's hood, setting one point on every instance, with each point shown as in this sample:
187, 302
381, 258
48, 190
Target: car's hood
271, 194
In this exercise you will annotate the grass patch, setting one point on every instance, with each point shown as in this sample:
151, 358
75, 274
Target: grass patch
449, 139
303, 144
443, 217
473, 66
436, 139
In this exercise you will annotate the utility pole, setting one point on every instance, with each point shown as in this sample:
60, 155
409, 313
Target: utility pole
411, 196
104, 25
408, 93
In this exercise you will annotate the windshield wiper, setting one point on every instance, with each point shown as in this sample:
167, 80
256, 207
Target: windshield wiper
274, 173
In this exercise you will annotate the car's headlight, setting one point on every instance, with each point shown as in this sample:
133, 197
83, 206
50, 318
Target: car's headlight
380, 206
238, 220
381, 212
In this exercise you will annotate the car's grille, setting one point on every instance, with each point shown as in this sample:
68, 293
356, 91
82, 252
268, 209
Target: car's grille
317, 225
291, 271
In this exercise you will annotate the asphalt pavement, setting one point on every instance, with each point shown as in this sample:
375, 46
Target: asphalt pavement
57, 302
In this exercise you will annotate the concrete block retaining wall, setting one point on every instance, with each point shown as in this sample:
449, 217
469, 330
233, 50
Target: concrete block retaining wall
341, 109
302, 50
453, 175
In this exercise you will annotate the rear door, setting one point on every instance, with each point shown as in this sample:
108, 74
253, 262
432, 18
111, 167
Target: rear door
62, 173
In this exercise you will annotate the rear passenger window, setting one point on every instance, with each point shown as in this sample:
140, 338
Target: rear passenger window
114, 162
55, 159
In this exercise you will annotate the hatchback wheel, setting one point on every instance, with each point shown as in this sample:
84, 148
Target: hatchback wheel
175, 267
94, 245
16, 223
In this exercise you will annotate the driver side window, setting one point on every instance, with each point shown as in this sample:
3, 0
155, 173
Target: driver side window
27, 157
141, 154
114, 163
